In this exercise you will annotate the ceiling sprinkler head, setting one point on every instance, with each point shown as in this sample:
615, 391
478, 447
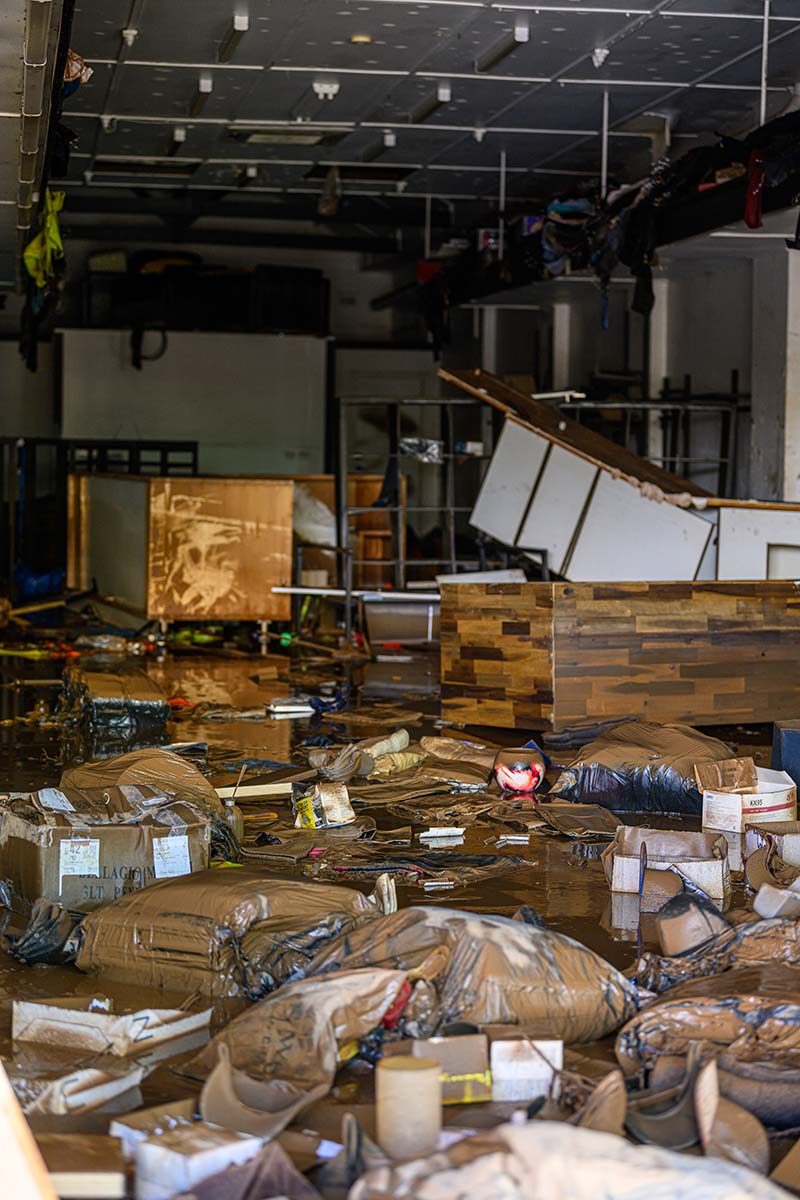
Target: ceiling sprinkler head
389, 139
599, 55
129, 36
326, 89
108, 123
179, 133
479, 135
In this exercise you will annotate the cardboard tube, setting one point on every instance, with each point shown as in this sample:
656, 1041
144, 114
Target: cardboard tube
409, 1105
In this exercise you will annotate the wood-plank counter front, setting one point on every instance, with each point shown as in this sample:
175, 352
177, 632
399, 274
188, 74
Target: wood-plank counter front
563, 655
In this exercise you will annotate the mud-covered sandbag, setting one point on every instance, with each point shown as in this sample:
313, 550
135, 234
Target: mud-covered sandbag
162, 770
289, 1043
751, 1014
494, 971
187, 934
561, 1162
638, 767
749, 945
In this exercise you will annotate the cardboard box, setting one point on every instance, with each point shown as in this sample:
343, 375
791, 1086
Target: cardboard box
89, 1166
775, 799
85, 848
136, 1126
464, 1062
700, 857
90, 1023
174, 1161
523, 1068
785, 834
774, 901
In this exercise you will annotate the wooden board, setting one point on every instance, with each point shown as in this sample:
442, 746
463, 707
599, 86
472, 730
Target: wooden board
561, 655
565, 432
625, 536
509, 482
217, 547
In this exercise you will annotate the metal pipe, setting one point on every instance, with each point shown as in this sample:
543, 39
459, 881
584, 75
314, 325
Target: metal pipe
764, 63
501, 225
604, 148
428, 226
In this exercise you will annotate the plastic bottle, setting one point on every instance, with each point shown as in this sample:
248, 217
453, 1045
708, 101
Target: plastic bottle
233, 815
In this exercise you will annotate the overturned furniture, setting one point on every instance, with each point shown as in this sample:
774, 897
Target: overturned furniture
561, 655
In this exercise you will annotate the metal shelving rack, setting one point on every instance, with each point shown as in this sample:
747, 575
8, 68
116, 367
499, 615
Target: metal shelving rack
398, 512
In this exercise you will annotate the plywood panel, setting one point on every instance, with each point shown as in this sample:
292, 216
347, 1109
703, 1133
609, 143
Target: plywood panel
509, 482
745, 535
703, 653
116, 538
625, 536
557, 505
217, 547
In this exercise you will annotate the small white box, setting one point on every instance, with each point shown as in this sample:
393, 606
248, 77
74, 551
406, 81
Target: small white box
785, 834
777, 902
775, 800
174, 1161
523, 1069
701, 857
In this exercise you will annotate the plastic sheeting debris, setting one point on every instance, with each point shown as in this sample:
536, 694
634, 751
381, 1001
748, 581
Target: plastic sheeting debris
497, 972
639, 767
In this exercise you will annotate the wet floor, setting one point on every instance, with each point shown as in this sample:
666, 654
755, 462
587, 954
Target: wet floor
562, 881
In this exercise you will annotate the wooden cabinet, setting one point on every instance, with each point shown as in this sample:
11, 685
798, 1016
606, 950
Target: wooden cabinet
565, 655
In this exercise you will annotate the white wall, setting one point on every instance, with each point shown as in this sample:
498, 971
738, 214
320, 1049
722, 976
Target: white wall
255, 404
26, 397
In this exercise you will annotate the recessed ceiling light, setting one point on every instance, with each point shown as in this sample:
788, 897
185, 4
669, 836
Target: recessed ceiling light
361, 39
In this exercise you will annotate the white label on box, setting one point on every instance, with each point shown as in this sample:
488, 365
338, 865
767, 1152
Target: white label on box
522, 1070
171, 856
78, 856
56, 800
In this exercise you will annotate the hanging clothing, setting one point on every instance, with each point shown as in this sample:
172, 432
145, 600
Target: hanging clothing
44, 251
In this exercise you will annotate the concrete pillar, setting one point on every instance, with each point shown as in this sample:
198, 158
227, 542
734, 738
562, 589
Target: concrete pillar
659, 362
489, 335
775, 431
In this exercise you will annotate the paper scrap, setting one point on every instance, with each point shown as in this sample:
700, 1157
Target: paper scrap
171, 856
78, 856
55, 799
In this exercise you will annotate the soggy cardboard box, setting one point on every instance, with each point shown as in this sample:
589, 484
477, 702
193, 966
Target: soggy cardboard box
522, 1067
85, 848
785, 834
90, 1023
174, 1161
135, 1127
700, 857
464, 1063
773, 799
86, 1166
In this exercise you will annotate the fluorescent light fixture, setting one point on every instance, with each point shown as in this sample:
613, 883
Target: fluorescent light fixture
428, 106
37, 31
178, 139
33, 90
236, 30
205, 86
506, 45
29, 137
27, 168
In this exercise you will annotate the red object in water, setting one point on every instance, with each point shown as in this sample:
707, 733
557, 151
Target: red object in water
392, 1015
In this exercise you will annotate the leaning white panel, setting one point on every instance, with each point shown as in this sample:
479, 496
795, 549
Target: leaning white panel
626, 538
509, 482
758, 543
559, 500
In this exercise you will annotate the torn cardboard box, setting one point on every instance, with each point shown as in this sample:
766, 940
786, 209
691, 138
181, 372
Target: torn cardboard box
173, 1161
136, 1126
702, 858
784, 834
83, 849
90, 1023
522, 1066
759, 798
84, 1165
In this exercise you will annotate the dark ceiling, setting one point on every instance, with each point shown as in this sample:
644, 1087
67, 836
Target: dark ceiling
524, 81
